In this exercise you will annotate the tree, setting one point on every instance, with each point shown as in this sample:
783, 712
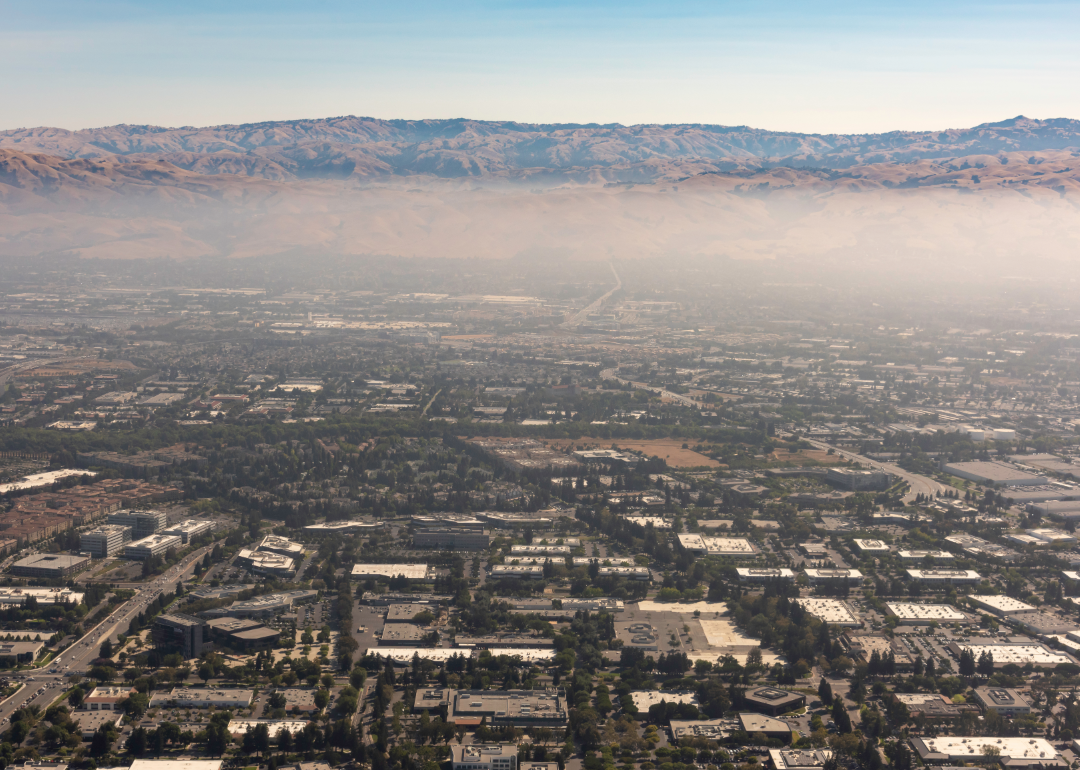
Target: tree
322, 699
101, 742
985, 666
966, 663
106, 650
206, 672
824, 691
136, 742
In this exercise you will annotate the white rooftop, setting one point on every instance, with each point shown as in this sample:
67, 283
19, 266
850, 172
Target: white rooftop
942, 612
832, 611
410, 571
1001, 604
872, 546
645, 698
958, 746
1017, 653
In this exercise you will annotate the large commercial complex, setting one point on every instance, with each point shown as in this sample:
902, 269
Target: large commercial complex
180, 633
105, 541
54, 566
189, 529
520, 708
152, 546
142, 523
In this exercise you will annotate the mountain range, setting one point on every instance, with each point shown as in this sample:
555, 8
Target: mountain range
462, 188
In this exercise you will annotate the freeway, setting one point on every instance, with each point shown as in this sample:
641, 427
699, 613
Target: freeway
44, 685
917, 484
609, 374
582, 315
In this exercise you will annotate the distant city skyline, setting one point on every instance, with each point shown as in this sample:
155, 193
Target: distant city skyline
839, 67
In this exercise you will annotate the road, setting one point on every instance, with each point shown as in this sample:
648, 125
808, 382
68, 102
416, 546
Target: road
917, 484
44, 685
609, 374
582, 315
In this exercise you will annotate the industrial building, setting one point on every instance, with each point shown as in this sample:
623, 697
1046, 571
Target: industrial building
520, 708
105, 541
952, 577
152, 546
189, 529
997, 474
1003, 700
53, 566
19, 594
502, 571
925, 614
452, 539
1052, 536
405, 613
540, 550
142, 523
397, 634
764, 574
180, 633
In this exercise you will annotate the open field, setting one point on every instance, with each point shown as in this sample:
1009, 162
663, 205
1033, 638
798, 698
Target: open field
668, 449
806, 456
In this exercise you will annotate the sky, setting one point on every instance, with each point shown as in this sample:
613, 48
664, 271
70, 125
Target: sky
851, 67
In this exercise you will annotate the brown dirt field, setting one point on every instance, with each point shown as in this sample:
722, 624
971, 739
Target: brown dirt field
804, 456
75, 368
668, 449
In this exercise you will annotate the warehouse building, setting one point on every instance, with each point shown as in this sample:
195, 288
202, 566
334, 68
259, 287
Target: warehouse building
952, 577
704, 545
1012, 752
1004, 654
384, 572
105, 541
994, 473
1002, 606
528, 571
832, 611
764, 574
822, 575
912, 556
925, 614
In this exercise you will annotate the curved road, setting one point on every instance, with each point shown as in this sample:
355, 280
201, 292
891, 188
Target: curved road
609, 374
917, 484
46, 684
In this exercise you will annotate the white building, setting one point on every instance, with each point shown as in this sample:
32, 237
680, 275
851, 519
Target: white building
953, 577
281, 545
1011, 752
540, 550
705, 545
832, 611
1019, 654
1052, 536
631, 573
822, 575
871, 546
189, 529
387, 571
105, 541
153, 546
910, 556
925, 614
1001, 605
219, 697
500, 571
265, 562
764, 574
502, 756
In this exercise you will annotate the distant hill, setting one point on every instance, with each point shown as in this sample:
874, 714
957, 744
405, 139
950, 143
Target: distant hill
461, 188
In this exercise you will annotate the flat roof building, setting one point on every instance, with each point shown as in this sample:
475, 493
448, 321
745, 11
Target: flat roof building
630, 573
706, 545
142, 523
19, 594
152, 546
265, 563
502, 571
540, 550
953, 577
871, 546
1052, 536
832, 611
270, 604
237, 727
53, 566
345, 527
105, 541
994, 473
824, 575
475, 756
858, 479
709, 729
406, 634
760, 723
204, 697
1001, 606
189, 529
281, 545
405, 613
910, 556
931, 706
1011, 752
799, 759
452, 539
1004, 654
764, 574
187, 635
1003, 700
773, 700
20, 652
925, 614
520, 708
386, 571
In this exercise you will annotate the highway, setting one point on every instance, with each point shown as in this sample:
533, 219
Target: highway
582, 315
917, 484
609, 374
46, 684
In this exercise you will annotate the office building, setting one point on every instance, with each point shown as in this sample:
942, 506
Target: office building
184, 634
242, 635
799, 759
859, 480
53, 566
189, 530
384, 572
821, 575
952, 577
281, 545
925, 614
1011, 752
265, 563
105, 541
152, 546
218, 697
142, 523
503, 756
520, 708
452, 539
773, 700
1003, 700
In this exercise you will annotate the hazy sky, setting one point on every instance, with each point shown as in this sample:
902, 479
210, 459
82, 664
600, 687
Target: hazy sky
802, 65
